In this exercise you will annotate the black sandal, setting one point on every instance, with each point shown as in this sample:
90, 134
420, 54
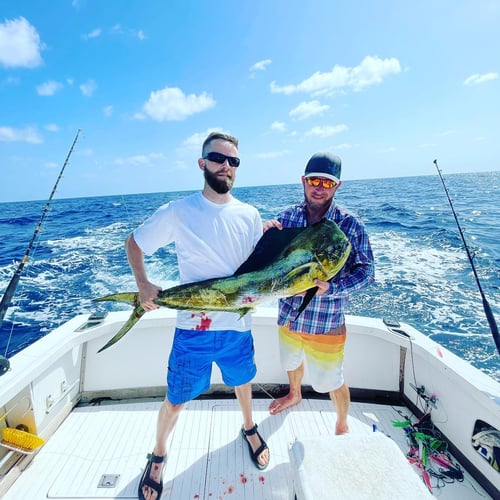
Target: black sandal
254, 455
147, 481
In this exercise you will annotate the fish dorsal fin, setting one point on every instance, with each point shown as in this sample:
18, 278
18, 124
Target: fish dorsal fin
272, 243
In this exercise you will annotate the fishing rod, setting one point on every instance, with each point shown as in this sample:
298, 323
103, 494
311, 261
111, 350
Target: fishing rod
486, 305
11, 288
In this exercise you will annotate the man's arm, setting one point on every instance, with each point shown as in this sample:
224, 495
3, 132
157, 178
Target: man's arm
147, 290
359, 271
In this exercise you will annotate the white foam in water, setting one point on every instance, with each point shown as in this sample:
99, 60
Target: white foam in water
428, 274
398, 256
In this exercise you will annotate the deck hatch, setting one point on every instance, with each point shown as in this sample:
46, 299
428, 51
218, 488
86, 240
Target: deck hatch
108, 481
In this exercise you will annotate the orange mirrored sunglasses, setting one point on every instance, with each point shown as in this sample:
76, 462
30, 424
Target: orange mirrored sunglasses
316, 181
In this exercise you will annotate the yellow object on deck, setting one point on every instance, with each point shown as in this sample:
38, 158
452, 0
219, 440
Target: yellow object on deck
21, 441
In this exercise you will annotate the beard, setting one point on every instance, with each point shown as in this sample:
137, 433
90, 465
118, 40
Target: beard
220, 186
318, 206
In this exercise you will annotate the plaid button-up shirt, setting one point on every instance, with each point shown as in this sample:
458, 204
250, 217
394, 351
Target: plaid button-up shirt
326, 312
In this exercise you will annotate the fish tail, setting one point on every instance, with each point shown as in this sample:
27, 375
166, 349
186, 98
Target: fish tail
136, 315
131, 298
243, 311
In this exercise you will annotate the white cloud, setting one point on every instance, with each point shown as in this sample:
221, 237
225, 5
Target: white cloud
278, 126
326, 131
259, 66
26, 134
371, 71
195, 141
272, 154
107, 110
479, 139
52, 127
140, 160
478, 79
88, 88
447, 132
11, 80
344, 145
49, 88
307, 109
118, 29
180, 165
20, 44
95, 33
171, 104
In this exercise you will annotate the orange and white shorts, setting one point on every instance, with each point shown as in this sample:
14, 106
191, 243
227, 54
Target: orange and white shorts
324, 354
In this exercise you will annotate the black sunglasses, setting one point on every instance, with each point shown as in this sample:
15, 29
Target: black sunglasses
220, 158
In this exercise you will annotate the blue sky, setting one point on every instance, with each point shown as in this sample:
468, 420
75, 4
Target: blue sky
387, 85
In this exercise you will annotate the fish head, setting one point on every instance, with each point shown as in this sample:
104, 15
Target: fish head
331, 248
325, 246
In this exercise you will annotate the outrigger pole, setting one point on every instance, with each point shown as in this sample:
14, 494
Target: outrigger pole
486, 305
11, 288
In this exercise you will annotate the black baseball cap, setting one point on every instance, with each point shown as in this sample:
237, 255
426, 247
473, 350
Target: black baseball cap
324, 165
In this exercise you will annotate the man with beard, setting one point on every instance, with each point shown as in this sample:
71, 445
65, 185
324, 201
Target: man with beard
213, 233
319, 333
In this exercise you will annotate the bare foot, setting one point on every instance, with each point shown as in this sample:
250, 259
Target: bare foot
280, 404
341, 429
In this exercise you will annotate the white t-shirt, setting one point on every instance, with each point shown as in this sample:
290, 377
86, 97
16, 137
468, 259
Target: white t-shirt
211, 241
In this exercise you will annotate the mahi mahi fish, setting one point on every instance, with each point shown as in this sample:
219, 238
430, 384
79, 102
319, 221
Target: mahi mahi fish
284, 263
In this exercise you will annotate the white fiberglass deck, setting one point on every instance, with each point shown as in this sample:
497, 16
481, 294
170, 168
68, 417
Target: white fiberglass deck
208, 460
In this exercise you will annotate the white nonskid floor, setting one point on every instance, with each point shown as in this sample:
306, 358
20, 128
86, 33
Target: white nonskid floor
208, 459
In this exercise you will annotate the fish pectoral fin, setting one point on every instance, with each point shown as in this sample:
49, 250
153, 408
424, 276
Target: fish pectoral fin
136, 315
311, 292
300, 270
131, 298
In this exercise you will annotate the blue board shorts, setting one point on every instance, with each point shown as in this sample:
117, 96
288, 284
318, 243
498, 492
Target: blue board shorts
192, 355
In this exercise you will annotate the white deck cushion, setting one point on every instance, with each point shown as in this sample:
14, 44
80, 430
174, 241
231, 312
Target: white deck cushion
353, 466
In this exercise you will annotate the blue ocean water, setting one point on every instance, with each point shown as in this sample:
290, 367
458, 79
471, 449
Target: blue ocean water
423, 276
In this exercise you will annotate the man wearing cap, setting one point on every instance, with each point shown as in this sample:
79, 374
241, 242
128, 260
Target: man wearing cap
319, 333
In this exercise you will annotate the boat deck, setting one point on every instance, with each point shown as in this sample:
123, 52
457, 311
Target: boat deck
98, 445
